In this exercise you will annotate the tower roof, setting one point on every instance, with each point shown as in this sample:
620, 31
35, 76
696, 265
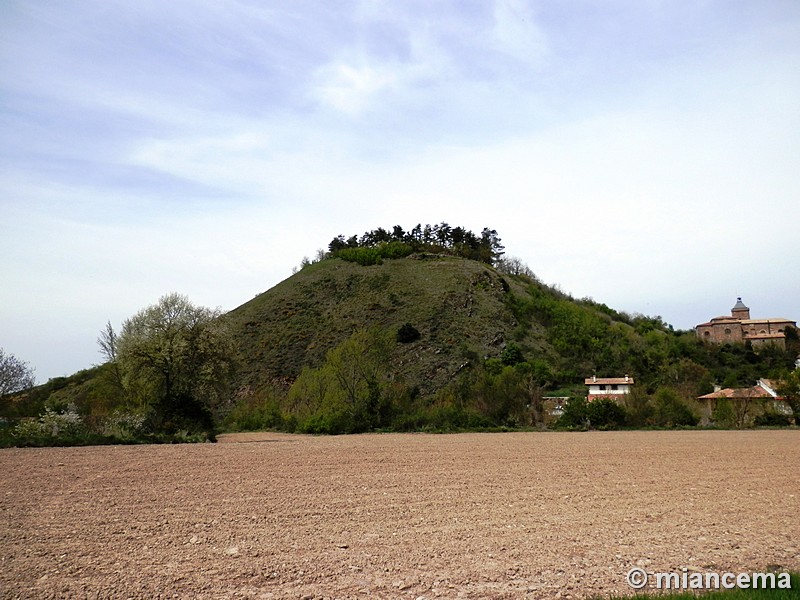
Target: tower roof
739, 305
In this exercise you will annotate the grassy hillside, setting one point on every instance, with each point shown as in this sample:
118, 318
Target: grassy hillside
467, 312
459, 306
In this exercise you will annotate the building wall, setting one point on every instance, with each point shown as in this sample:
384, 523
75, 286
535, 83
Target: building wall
721, 332
757, 327
606, 389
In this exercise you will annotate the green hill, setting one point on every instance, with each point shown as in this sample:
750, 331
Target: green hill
488, 341
427, 340
460, 308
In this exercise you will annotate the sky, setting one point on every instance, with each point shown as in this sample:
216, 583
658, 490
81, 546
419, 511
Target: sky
642, 153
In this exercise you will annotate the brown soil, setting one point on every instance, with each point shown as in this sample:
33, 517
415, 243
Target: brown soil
519, 515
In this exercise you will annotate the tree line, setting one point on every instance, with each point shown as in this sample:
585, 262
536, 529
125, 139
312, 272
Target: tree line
486, 247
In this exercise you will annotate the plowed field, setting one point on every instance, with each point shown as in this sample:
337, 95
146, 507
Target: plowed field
515, 515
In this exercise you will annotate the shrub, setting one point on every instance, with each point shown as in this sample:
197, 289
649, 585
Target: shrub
257, 413
772, 419
407, 334
51, 423
575, 415
511, 355
362, 256
605, 413
723, 414
124, 424
670, 411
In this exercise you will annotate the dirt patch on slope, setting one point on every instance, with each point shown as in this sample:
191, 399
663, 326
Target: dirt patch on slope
522, 515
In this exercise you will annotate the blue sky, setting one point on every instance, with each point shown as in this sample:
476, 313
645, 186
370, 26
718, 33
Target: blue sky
643, 153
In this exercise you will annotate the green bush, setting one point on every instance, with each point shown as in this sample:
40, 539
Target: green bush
255, 415
723, 414
374, 255
575, 415
670, 411
511, 355
362, 256
407, 334
772, 419
604, 413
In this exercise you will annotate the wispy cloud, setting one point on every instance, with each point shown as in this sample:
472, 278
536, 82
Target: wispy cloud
641, 153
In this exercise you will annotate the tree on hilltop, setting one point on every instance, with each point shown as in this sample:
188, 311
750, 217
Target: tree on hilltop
442, 238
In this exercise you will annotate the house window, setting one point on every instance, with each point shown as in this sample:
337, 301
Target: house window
707, 333
727, 331
613, 386
603, 387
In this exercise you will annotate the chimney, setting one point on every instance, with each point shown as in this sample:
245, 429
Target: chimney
594, 378
626, 378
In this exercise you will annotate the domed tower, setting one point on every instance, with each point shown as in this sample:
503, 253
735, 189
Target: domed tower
740, 311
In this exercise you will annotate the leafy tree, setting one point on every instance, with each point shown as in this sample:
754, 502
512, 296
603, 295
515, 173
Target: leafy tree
789, 389
605, 413
670, 411
499, 393
638, 407
574, 415
511, 355
176, 359
490, 246
723, 414
15, 374
347, 393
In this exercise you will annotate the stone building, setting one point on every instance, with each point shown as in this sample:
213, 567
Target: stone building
747, 402
740, 328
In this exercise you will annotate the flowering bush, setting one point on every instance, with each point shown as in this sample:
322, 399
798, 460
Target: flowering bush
66, 423
123, 424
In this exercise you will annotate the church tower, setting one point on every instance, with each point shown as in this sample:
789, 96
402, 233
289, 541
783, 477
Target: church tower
740, 311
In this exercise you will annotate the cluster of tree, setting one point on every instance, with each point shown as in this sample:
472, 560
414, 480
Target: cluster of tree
173, 362
442, 238
665, 409
592, 338
168, 376
356, 389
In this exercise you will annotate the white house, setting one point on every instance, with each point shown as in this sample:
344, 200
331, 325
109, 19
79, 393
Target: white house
613, 388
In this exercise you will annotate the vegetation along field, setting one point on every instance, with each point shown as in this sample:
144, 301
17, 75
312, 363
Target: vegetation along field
474, 515
431, 329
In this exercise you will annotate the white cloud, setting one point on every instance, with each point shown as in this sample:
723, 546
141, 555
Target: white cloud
351, 88
517, 33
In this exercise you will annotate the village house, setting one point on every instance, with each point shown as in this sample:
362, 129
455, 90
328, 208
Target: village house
762, 397
740, 328
613, 388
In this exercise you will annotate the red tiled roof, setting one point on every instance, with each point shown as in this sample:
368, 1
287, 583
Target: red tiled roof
752, 392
